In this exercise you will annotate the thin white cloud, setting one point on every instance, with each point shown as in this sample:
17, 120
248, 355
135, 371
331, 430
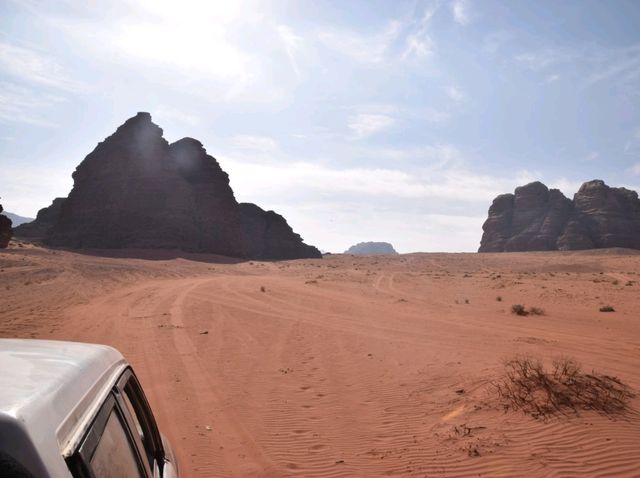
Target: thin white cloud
591, 65
164, 114
314, 179
460, 11
419, 44
372, 49
632, 146
592, 156
220, 51
35, 67
621, 65
432, 156
292, 45
494, 41
25, 192
635, 169
566, 186
261, 144
455, 93
364, 125
26, 105
540, 60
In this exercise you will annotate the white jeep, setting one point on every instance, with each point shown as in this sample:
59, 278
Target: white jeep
75, 410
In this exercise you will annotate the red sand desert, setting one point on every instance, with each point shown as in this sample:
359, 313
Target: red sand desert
349, 366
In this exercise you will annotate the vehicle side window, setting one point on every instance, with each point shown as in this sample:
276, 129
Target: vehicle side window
141, 421
114, 457
108, 450
144, 437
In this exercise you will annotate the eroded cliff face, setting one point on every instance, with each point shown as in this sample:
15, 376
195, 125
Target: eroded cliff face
213, 207
135, 190
44, 221
268, 236
126, 193
535, 218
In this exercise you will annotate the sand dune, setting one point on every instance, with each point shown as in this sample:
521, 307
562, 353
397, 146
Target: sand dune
348, 366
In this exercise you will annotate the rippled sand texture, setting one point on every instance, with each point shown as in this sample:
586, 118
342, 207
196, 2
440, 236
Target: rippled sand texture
346, 366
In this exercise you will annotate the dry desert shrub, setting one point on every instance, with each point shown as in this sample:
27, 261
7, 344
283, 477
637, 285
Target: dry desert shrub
520, 309
607, 308
528, 386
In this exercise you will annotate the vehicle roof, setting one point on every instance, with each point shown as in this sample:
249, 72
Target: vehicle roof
50, 389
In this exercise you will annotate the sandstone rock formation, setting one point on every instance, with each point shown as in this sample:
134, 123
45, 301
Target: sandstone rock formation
5, 230
538, 219
371, 249
268, 236
135, 190
45, 220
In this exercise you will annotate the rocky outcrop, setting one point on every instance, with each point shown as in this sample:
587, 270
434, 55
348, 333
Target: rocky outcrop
371, 249
267, 235
538, 219
214, 209
135, 190
44, 221
5, 230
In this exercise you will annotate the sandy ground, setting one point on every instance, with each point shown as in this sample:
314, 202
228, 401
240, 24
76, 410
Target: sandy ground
342, 367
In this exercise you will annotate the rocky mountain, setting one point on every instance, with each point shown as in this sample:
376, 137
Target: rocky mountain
5, 230
371, 249
268, 236
45, 220
135, 190
536, 218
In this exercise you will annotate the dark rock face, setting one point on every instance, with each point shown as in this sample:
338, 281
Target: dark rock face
214, 209
135, 190
538, 219
127, 193
6, 232
268, 236
45, 220
371, 249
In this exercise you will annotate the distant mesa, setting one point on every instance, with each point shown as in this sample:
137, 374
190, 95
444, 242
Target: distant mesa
5, 230
371, 249
536, 218
135, 190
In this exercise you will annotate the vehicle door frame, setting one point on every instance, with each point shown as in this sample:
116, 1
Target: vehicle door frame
79, 461
150, 427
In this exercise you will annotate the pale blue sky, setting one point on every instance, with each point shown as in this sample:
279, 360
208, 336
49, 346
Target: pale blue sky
373, 120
